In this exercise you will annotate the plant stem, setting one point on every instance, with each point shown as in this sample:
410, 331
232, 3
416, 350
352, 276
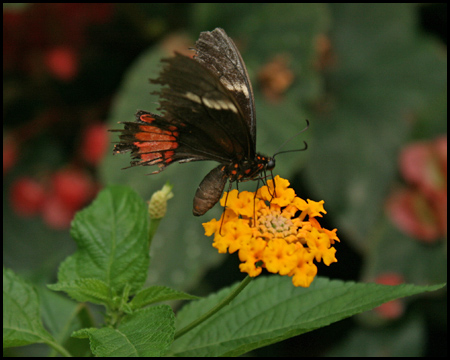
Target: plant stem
58, 348
154, 223
215, 309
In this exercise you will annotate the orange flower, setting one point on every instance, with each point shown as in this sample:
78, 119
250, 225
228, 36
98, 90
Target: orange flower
264, 230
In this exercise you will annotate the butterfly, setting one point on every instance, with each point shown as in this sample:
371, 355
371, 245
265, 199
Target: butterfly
208, 112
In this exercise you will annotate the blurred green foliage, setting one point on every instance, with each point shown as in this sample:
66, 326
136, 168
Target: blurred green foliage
367, 77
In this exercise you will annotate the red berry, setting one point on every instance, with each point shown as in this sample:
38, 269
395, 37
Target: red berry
9, 153
27, 196
62, 62
73, 187
94, 144
56, 214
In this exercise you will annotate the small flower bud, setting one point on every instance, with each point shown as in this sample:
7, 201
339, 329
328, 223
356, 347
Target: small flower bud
157, 205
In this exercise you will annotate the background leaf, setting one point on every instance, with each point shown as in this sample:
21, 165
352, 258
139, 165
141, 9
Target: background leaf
385, 74
401, 339
22, 323
62, 316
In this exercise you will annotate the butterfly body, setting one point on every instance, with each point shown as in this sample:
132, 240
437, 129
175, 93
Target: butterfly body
208, 114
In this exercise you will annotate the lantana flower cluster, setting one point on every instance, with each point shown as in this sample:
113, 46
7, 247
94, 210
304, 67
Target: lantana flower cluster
274, 229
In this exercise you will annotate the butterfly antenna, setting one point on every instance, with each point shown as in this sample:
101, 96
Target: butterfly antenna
292, 137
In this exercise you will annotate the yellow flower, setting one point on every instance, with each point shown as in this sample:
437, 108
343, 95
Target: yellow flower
240, 203
281, 195
266, 232
250, 255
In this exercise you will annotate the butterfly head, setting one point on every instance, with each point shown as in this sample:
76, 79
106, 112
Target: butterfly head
270, 165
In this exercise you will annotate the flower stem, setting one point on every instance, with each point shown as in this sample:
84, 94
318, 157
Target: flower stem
154, 223
215, 309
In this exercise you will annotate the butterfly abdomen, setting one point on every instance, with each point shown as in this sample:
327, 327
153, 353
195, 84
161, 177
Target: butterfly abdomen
209, 191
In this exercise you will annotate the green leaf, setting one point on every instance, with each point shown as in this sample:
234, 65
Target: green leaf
21, 315
156, 294
62, 316
93, 290
112, 239
271, 309
147, 332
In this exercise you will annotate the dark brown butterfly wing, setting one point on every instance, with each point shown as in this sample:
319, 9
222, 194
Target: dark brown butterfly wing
208, 113
218, 53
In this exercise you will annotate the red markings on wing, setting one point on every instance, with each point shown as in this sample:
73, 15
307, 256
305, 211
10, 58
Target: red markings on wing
155, 145
151, 133
147, 118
